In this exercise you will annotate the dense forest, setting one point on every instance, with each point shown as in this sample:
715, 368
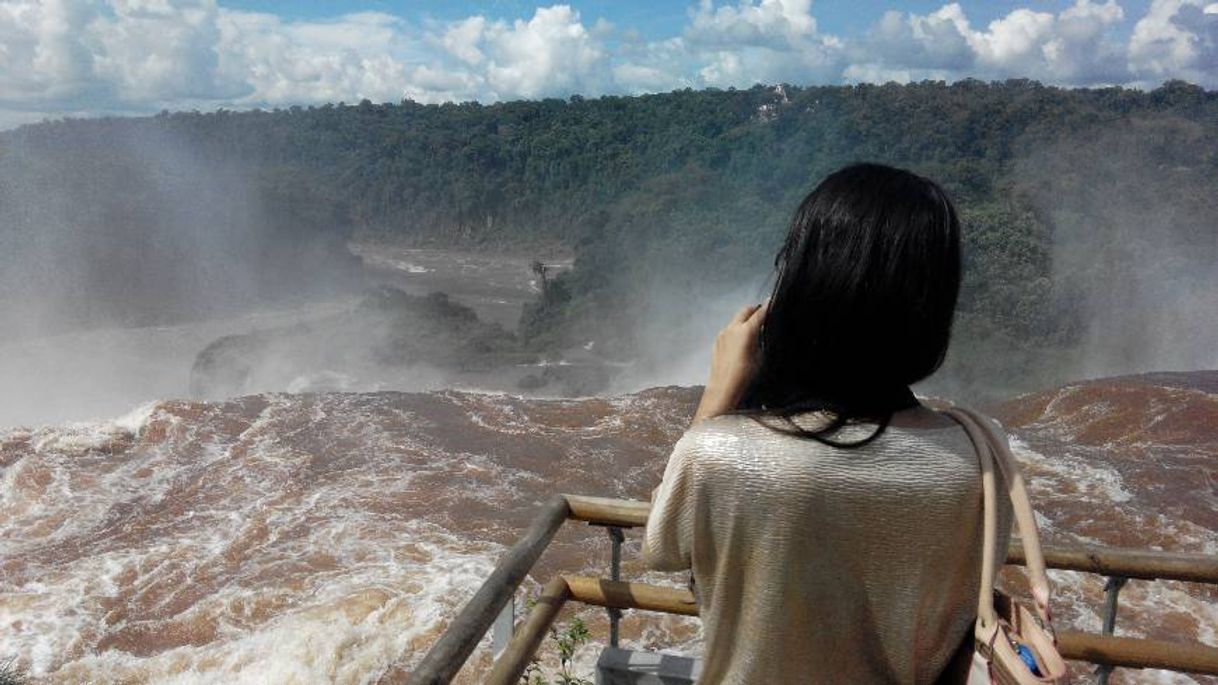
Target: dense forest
1090, 215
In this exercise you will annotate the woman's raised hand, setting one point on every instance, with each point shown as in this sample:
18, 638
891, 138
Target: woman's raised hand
733, 362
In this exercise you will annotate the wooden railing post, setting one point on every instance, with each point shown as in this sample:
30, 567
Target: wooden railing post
450, 652
519, 653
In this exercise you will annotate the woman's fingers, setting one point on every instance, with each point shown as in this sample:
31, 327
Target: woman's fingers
746, 313
732, 362
758, 314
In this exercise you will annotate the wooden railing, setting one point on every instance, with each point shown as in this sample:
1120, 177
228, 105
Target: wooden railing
450, 652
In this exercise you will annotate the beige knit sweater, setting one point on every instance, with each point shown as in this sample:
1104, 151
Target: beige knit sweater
814, 564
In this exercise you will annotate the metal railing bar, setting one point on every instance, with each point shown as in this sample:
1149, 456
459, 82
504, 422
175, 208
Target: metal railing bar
516, 657
450, 652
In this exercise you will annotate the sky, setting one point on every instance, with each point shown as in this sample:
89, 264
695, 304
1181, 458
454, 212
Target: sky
99, 57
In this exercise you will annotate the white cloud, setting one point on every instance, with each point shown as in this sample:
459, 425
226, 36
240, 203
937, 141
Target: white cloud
1074, 47
159, 51
463, 37
764, 23
131, 56
353, 57
1017, 40
1176, 39
655, 66
46, 53
551, 54
1082, 50
934, 41
760, 41
642, 78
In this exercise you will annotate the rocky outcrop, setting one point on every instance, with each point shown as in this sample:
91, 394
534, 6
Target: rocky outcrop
390, 340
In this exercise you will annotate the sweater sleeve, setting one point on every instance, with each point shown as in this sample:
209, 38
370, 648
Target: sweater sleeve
667, 538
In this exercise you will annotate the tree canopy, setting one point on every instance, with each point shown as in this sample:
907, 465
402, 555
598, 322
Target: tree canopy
688, 189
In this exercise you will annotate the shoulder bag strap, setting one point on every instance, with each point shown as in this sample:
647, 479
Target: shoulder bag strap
1025, 519
987, 618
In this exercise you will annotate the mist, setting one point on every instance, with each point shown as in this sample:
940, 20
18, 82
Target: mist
1135, 243
678, 333
1132, 226
126, 247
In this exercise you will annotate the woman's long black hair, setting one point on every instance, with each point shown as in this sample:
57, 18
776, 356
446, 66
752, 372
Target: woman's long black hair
862, 305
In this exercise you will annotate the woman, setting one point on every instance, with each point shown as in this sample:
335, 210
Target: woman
833, 523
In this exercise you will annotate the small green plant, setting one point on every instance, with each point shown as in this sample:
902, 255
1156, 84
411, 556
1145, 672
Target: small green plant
10, 674
568, 640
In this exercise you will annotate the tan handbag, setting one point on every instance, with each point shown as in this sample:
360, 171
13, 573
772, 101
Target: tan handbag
1005, 627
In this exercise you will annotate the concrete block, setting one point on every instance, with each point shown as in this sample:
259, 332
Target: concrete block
629, 667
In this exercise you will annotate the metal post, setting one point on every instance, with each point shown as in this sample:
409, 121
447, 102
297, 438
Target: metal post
1112, 588
615, 573
501, 630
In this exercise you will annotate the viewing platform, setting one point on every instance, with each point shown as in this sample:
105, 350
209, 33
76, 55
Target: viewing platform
492, 607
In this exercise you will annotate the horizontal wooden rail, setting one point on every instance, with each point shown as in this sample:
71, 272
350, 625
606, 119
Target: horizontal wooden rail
619, 594
1126, 563
1099, 649
603, 511
1105, 561
1132, 652
615, 594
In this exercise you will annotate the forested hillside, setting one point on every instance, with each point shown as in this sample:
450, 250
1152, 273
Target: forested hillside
677, 198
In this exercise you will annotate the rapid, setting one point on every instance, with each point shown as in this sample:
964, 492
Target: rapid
329, 537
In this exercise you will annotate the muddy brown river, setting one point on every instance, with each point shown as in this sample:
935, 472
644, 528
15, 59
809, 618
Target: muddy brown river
320, 538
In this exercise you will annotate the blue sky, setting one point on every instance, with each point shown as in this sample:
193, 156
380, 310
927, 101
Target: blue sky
93, 57
651, 18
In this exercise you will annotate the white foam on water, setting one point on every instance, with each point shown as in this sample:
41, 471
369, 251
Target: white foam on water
1151, 676
417, 572
495, 411
351, 630
84, 477
323, 381
81, 436
345, 626
1095, 482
